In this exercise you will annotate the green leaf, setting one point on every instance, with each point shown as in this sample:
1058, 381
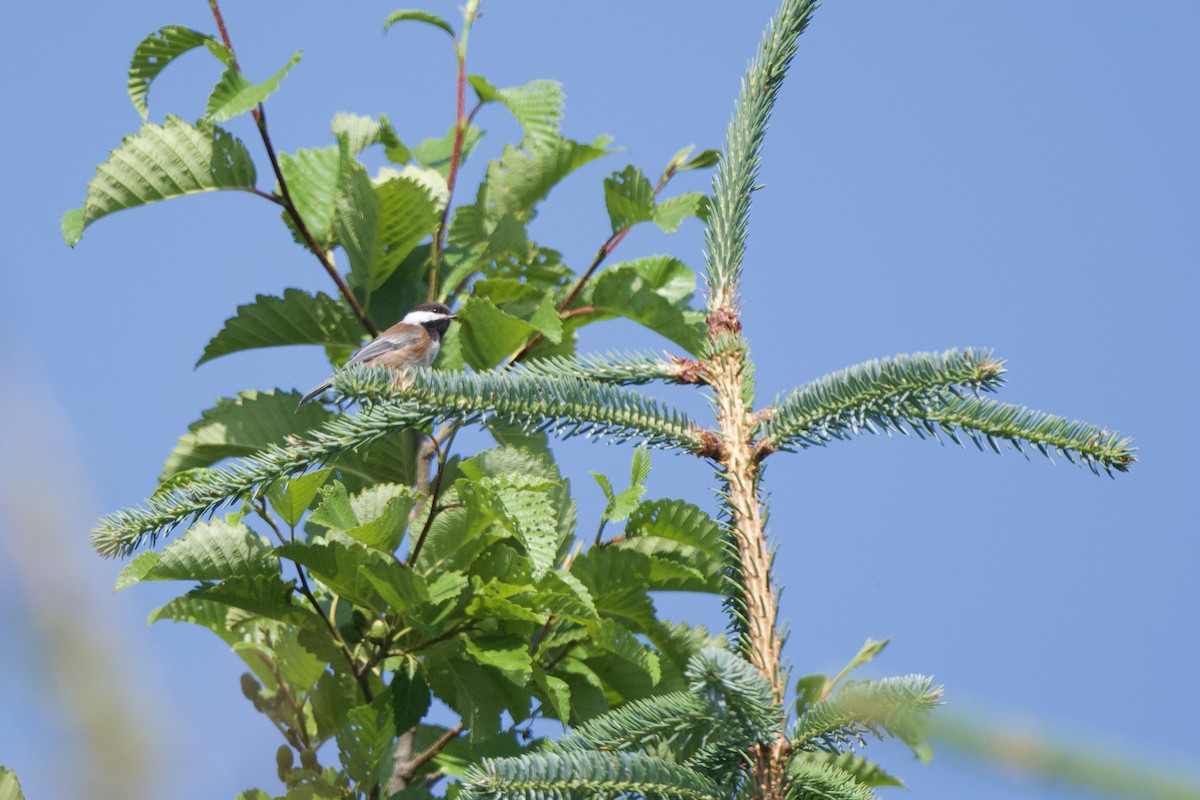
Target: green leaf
437, 153
154, 53
681, 162
417, 16
160, 162
240, 427
475, 698
407, 214
377, 516
489, 335
520, 179
365, 744
538, 107
355, 133
652, 291
234, 94
261, 596
507, 654
342, 567
291, 497
410, 699
356, 213
215, 550
296, 318
629, 198
313, 176
670, 213
10, 787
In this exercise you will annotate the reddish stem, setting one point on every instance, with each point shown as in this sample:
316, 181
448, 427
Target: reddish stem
285, 199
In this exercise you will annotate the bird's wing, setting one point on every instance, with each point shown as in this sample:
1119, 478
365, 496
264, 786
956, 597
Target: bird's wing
386, 342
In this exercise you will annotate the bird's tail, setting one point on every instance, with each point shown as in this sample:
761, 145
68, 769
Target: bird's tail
316, 390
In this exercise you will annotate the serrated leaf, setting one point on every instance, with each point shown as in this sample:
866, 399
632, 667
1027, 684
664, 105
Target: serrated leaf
356, 214
160, 162
234, 94
313, 176
670, 214
215, 550
410, 698
538, 107
356, 133
291, 497
296, 318
629, 198
154, 53
408, 213
334, 510
652, 291
242, 426
382, 512
340, 566
415, 15
365, 743
262, 596
520, 179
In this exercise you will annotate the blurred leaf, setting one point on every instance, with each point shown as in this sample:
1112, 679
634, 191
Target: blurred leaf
234, 94
154, 53
417, 16
670, 213
160, 162
296, 318
436, 153
355, 133
377, 516
10, 787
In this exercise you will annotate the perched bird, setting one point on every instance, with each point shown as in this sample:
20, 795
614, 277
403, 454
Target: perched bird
412, 342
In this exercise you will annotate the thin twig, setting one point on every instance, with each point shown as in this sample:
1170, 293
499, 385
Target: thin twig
442, 448
285, 197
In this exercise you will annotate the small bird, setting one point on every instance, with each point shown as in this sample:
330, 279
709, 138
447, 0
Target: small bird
412, 342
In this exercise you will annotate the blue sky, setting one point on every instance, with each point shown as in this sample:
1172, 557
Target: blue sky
937, 174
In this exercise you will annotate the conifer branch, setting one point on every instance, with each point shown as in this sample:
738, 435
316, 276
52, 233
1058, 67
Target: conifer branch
585, 775
737, 173
612, 368
873, 392
563, 405
898, 706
